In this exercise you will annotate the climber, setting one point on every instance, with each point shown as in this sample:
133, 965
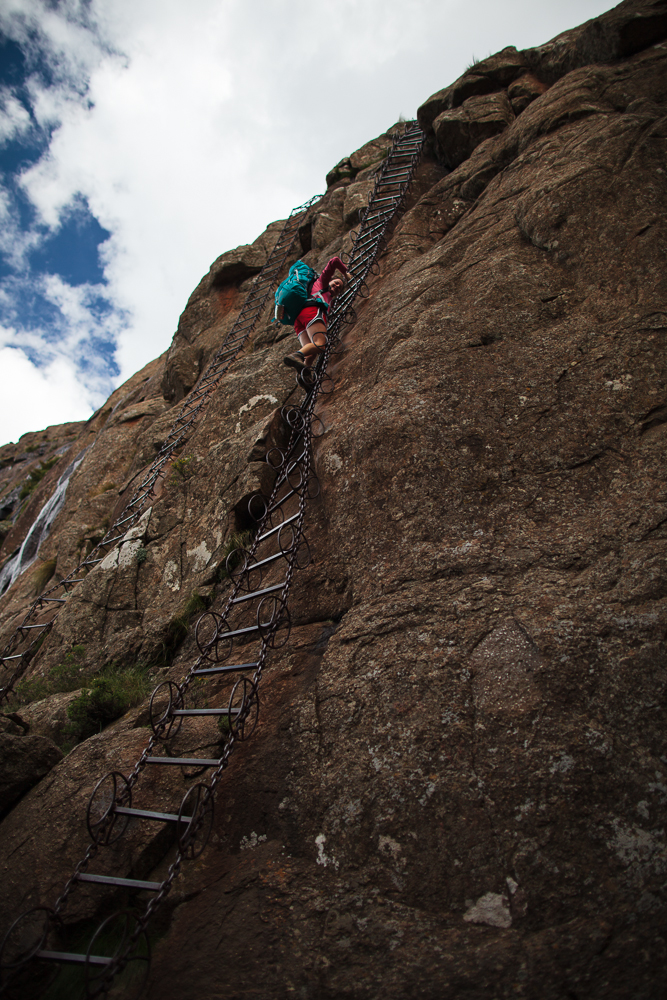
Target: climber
311, 323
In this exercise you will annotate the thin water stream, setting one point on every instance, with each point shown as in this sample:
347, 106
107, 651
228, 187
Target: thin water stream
39, 529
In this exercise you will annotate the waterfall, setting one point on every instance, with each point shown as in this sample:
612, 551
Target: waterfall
39, 529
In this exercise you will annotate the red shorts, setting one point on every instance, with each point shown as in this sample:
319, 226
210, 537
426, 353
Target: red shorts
307, 316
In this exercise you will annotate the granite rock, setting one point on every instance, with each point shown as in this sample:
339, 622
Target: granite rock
458, 783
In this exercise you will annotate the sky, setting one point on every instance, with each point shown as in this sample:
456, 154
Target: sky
140, 139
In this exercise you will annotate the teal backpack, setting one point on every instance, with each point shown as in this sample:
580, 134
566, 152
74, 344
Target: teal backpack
293, 294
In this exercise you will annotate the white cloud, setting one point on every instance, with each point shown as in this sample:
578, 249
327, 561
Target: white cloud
14, 119
188, 128
54, 390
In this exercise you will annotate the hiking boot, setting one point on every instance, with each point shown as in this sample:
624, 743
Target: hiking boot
295, 360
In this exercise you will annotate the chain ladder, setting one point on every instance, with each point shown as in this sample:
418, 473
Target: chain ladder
295, 484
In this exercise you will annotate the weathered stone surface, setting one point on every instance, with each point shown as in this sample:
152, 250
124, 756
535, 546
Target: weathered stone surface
486, 77
369, 155
24, 760
523, 92
457, 786
356, 200
626, 29
45, 844
49, 717
459, 132
11, 725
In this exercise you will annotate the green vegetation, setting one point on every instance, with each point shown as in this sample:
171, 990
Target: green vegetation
181, 469
111, 694
43, 574
142, 555
5, 528
105, 696
35, 477
67, 676
237, 540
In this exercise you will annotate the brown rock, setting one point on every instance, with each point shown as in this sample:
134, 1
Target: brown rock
49, 717
457, 785
524, 91
25, 761
626, 29
489, 76
504, 667
459, 132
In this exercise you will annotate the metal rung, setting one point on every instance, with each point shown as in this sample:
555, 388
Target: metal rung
259, 593
15, 656
383, 214
149, 814
367, 240
205, 671
52, 600
272, 531
78, 580
205, 711
22, 628
131, 883
241, 631
92, 562
185, 762
288, 496
370, 236
129, 517
71, 959
269, 559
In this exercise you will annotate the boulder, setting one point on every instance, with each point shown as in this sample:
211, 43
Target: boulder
523, 91
49, 717
460, 131
24, 760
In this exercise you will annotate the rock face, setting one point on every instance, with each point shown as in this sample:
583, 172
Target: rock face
25, 761
459, 783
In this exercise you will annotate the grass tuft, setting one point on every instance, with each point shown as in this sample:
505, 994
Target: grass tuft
181, 470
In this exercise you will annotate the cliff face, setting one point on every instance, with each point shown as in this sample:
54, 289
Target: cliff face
459, 781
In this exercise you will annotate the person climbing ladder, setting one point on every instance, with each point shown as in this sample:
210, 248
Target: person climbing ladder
310, 325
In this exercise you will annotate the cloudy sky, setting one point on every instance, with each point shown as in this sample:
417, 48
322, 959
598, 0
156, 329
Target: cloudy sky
139, 139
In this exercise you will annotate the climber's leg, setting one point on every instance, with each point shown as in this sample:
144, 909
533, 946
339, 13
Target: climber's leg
313, 341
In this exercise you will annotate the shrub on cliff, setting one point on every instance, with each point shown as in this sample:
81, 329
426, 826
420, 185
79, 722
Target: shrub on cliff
113, 692
35, 477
